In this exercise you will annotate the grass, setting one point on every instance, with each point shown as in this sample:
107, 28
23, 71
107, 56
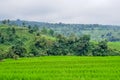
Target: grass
61, 68
114, 45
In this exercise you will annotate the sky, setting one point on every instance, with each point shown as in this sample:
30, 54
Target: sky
65, 11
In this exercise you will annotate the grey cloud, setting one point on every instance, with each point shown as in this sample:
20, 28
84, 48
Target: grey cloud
68, 11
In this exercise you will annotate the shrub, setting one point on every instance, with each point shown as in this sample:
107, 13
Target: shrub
2, 56
15, 57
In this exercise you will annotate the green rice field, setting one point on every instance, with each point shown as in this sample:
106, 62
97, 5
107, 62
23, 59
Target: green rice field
61, 68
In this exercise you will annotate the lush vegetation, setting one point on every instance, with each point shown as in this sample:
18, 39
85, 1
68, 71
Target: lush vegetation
114, 45
29, 41
61, 68
98, 32
42, 44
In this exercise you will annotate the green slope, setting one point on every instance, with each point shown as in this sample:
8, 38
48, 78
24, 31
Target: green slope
114, 45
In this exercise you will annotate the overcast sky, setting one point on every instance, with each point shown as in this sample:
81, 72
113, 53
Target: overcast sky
67, 11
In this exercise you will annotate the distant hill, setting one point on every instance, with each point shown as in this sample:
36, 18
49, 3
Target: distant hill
18, 41
96, 31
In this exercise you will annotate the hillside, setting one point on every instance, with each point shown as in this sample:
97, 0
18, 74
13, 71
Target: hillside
19, 38
16, 41
96, 31
114, 45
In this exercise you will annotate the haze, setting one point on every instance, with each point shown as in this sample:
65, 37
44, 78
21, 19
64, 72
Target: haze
66, 11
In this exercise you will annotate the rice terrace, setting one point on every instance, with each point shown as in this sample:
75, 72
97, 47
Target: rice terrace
61, 68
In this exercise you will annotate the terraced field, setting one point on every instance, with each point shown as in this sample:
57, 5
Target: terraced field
61, 68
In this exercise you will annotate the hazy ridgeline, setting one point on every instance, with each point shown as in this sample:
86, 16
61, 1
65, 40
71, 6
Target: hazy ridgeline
97, 32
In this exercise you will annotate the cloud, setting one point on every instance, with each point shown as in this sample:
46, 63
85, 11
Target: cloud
67, 11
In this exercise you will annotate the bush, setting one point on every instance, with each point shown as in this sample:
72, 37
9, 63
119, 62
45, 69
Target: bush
16, 50
15, 57
2, 56
34, 51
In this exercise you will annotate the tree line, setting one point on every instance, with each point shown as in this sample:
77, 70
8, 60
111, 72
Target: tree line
46, 42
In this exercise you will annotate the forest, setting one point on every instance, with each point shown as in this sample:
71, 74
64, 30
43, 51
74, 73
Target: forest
28, 41
97, 32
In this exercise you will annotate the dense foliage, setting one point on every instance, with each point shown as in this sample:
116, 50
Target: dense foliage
30, 41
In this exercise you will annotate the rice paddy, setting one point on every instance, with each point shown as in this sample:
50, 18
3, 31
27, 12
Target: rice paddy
61, 68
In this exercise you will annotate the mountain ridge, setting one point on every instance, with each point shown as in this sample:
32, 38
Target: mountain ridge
96, 31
